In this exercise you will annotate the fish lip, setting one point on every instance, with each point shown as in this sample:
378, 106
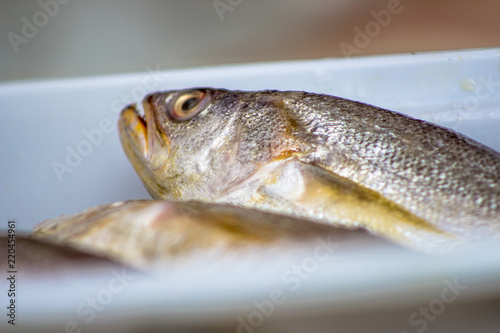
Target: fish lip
141, 117
133, 130
149, 123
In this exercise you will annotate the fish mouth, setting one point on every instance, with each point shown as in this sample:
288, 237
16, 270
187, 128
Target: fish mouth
146, 147
137, 126
134, 131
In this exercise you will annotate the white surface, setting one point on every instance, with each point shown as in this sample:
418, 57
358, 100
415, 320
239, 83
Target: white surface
40, 119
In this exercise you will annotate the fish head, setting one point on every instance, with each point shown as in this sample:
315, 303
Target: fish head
196, 143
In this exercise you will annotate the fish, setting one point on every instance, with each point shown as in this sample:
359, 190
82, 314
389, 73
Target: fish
39, 259
155, 236
317, 157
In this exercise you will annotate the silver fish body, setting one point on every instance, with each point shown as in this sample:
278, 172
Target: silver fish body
317, 157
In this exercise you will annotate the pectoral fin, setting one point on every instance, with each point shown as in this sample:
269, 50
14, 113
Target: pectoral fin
320, 195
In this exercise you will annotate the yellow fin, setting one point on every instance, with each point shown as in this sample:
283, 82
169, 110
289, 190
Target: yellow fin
317, 194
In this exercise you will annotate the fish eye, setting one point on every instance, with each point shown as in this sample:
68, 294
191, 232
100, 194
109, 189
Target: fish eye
187, 105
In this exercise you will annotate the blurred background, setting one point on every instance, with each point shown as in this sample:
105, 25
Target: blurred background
62, 38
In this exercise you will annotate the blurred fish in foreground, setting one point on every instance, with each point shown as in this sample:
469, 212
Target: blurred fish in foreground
43, 259
154, 235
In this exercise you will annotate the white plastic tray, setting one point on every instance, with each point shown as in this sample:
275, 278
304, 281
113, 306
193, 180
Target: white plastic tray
42, 122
